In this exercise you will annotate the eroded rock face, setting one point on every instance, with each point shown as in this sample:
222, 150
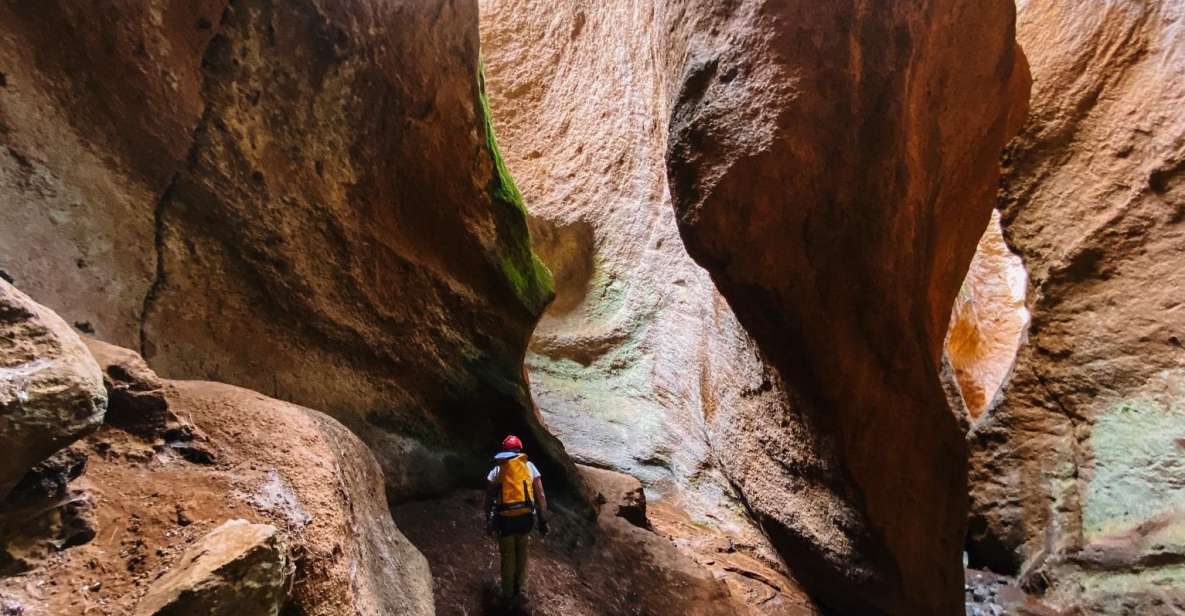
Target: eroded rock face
51, 391
311, 483
833, 166
988, 321
639, 365
1076, 476
275, 196
640, 353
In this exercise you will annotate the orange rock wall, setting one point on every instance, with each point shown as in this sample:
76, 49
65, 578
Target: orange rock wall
274, 195
1075, 474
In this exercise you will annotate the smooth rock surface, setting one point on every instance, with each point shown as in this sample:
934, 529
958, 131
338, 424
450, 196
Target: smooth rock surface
302, 198
1076, 474
640, 365
833, 165
51, 391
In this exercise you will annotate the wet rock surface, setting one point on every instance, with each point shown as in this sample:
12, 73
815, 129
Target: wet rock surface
51, 392
1075, 474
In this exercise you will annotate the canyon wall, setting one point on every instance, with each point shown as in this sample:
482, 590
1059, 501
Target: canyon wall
300, 198
1076, 473
640, 365
833, 166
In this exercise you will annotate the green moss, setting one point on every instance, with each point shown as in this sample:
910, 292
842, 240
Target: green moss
528, 277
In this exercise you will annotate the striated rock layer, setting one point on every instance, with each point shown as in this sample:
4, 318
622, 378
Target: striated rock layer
302, 198
1076, 473
833, 166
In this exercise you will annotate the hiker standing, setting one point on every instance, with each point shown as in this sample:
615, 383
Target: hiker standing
514, 500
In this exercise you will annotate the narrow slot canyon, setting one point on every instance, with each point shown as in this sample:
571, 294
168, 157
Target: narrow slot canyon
796, 308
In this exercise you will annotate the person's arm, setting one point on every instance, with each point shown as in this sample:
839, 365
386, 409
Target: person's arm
491, 494
540, 505
487, 508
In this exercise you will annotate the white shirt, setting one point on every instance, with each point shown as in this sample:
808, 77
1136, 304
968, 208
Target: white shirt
506, 455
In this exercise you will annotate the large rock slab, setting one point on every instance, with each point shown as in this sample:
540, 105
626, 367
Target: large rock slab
1076, 473
269, 462
51, 391
238, 568
314, 207
833, 165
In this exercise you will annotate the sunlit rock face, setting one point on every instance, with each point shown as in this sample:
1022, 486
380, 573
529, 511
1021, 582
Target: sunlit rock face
639, 365
836, 203
988, 320
1076, 474
301, 198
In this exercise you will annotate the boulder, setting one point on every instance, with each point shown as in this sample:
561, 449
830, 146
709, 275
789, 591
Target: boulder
238, 568
289, 468
51, 391
1076, 479
135, 395
616, 494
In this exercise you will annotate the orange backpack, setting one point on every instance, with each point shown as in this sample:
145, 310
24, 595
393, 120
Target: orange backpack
517, 490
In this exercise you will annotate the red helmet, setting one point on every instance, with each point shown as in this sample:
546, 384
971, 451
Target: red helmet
511, 442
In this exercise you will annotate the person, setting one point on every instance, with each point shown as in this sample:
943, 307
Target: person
514, 502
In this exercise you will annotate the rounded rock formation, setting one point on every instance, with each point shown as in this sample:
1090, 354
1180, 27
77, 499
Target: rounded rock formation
51, 390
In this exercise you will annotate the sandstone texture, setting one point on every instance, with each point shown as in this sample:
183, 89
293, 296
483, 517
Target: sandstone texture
1076, 472
989, 320
302, 198
833, 166
640, 365
238, 568
225, 453
51, 391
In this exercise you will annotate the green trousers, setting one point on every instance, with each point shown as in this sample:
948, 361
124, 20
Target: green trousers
513, 549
